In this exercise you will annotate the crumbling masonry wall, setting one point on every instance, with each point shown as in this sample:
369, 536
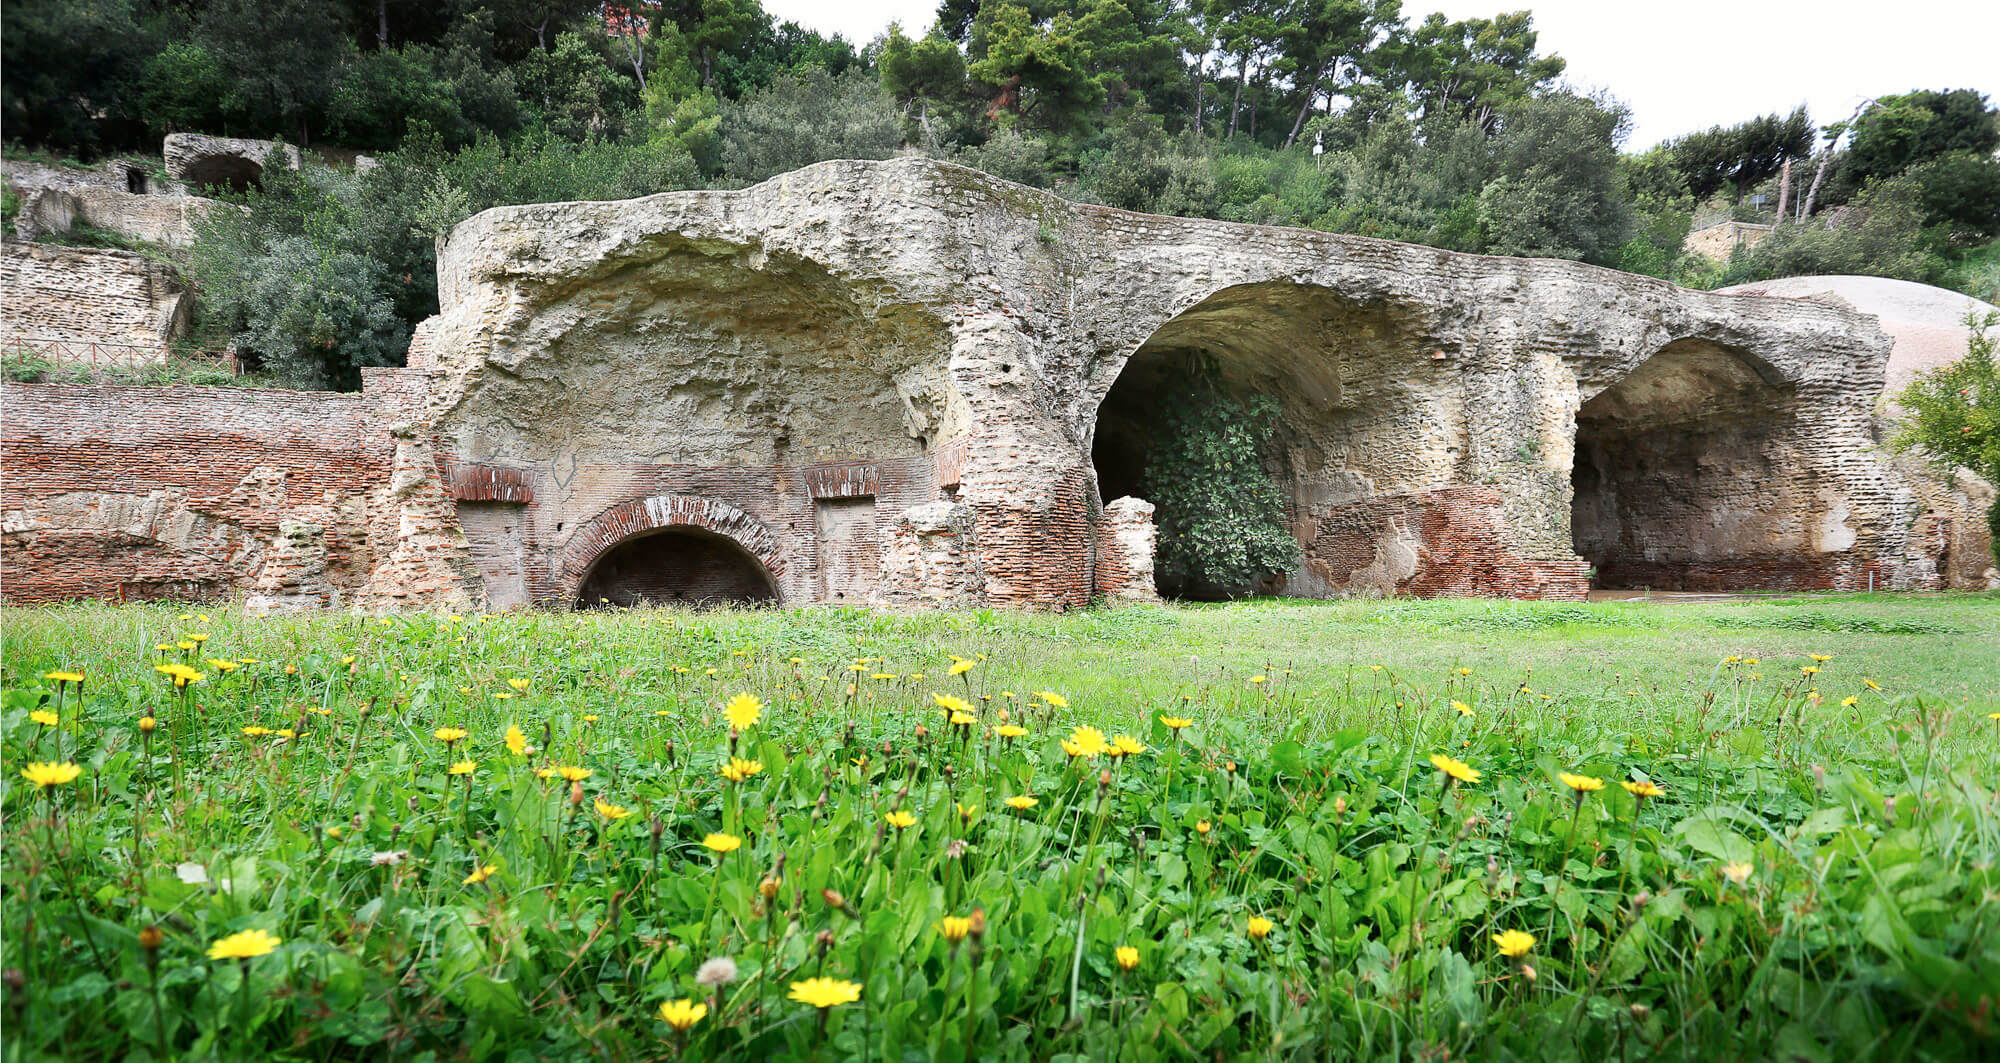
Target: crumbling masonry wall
885, 380
293, 499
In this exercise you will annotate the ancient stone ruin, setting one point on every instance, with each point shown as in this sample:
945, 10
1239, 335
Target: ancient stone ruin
909, 382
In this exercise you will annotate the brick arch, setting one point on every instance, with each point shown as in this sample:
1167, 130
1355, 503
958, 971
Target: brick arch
639, 516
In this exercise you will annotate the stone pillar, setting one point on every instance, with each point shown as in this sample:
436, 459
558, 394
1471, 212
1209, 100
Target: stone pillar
427, 561
931, 557
1025, 476
293, 579
1126, 540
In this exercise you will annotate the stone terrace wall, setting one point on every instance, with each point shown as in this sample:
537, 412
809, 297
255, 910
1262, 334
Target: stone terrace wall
130, 493
83, 295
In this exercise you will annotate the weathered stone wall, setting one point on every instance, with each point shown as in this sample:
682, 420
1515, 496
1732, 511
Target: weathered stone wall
83, 295
1718, 242
885, 380
923, 318
300, 498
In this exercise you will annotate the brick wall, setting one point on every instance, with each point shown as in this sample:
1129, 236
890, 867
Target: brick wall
114, 492
121, 493
1447, 542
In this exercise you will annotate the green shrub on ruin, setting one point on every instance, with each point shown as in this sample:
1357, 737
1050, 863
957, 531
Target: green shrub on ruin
1221, 518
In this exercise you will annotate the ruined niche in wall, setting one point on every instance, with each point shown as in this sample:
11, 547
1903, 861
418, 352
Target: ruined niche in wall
1360, 412
1684, 478
495, 532
696, 357
677, 566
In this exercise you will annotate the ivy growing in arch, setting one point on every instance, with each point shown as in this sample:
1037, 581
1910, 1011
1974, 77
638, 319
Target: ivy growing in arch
1221, 517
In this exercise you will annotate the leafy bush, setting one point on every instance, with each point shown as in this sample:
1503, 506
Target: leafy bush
1221, 518
1953, 411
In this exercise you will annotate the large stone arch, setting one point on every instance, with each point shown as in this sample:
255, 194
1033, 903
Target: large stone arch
1361, 412
639, 518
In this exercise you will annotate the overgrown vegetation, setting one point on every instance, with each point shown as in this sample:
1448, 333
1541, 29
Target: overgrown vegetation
1220, 516
1278, 830
1346, 116
1953, 411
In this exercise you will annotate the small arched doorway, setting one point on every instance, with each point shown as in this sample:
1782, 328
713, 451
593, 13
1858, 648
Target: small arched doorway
1682, 479
676, 566
670, 549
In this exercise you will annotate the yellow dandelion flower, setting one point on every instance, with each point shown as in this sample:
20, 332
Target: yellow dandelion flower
464, 767
147, 724
1459, 770
49, 773
480, 874
962, 667
681, 1014
1010, 730
1514, 944
573, 774
246, 945
1175, 723
1461, 708
1849, 701
1126, 746
953, 928
63, 677
825, 992
1737, 872
744, 710
518, 684
1127, 956
1022, 802
255, 731
737, 769
1051, 697
723, 843
951, 704
517, 742
44, 717
1582, 784
610, 811
900, 819
448, 735
1259, 927
1086, 742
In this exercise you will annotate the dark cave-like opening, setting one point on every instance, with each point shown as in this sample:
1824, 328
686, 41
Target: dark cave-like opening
676, 566
1677, 483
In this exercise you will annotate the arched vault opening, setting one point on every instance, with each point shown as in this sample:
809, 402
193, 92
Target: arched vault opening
1346, 384
679, 565
1681, 477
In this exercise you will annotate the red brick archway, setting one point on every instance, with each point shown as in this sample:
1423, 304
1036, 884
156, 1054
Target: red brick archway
641, 516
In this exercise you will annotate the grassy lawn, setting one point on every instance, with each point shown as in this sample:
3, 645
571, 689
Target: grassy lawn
1283, 848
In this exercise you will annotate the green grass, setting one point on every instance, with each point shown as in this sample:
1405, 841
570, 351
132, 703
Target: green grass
1867, 925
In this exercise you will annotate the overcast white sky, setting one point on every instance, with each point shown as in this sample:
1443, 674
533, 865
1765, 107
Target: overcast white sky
1681, 65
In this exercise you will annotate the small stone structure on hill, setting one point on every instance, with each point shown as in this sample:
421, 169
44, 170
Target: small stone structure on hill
908, 382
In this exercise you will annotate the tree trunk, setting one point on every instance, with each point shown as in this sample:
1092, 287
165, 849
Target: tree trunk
1784, 190
1312, 94
382, 25
1825, 158
1236, 101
